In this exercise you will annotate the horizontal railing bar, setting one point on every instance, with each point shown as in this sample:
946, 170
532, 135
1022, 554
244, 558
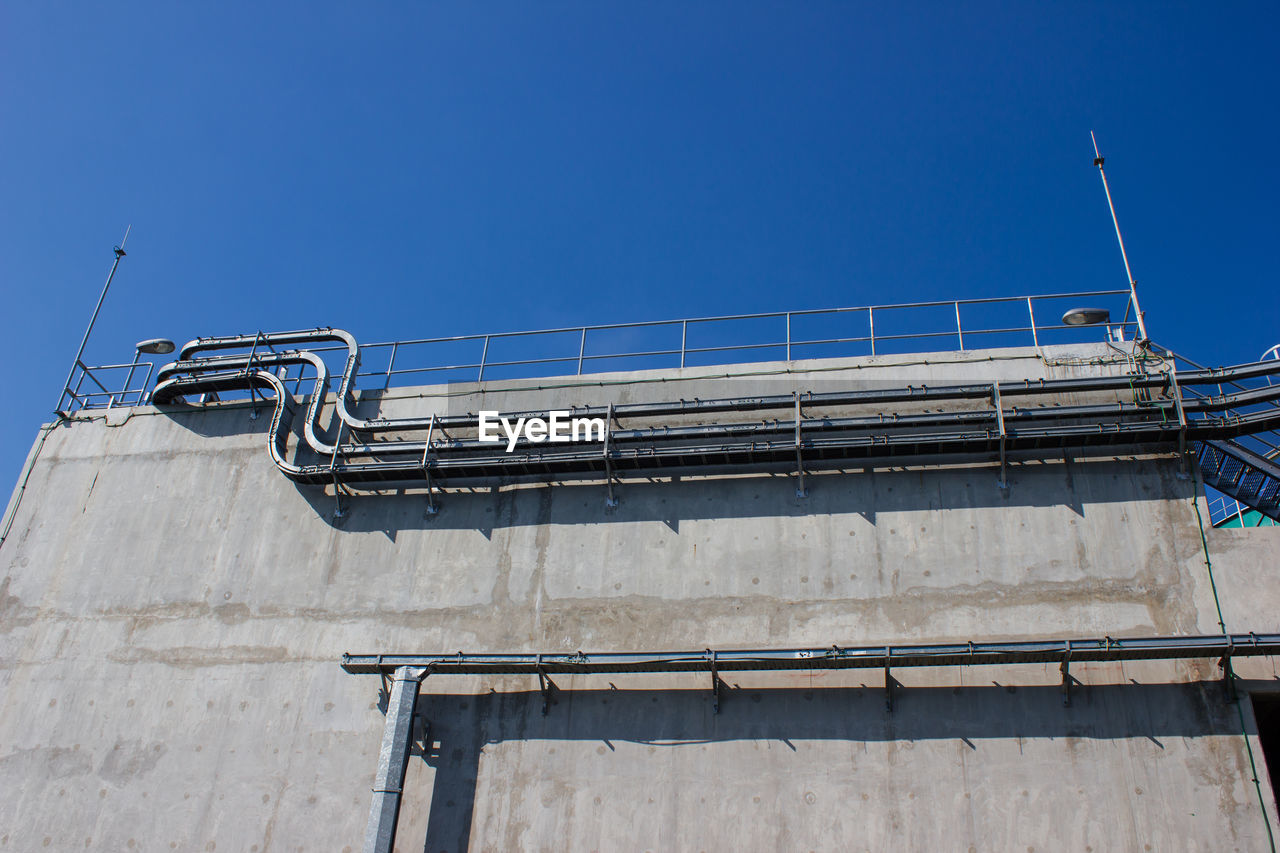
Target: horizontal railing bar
728, 317
578, 337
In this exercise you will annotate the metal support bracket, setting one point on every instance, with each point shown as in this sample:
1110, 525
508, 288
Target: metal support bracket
612, 499
338, 510
1228, 678
546, 687
801, 491
888, 680
715, 684
1182, 474
432, 508
253, 392
1003, 482
1065, 669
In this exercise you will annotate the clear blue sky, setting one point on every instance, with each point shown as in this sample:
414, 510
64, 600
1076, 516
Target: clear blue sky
421, 169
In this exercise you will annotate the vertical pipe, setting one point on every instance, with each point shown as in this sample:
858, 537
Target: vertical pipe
393, 760
119, 250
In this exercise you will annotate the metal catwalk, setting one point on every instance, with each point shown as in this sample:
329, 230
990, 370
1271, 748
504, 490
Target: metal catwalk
1153, 411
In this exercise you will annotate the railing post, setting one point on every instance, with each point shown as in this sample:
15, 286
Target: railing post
959, 331
684, 336
788, 336
391, 364
582, 349
871, 321
1035, 338
484, 356
143, 393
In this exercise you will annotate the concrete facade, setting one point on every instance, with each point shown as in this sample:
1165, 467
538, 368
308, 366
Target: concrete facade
173, 612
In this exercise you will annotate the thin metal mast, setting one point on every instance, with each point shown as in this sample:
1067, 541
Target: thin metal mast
1133, 285
66, 386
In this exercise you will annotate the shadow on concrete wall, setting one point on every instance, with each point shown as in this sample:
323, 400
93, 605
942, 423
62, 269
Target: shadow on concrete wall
1071, 484
461, 725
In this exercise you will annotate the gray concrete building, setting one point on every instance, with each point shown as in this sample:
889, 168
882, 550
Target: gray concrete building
175, 611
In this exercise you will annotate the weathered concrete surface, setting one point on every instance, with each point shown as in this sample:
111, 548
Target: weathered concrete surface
172, 611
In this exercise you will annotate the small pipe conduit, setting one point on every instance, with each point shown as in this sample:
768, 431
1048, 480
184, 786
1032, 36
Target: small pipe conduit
1159, 417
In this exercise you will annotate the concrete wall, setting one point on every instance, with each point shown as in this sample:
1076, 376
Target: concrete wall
173, 611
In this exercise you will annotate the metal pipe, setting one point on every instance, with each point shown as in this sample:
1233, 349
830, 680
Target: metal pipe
1133, 285
393, 760
119, 250
826, 657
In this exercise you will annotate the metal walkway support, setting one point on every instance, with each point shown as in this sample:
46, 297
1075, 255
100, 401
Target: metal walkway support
1250, 478
393, 760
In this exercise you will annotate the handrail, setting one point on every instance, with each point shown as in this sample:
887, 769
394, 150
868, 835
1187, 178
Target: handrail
569, 346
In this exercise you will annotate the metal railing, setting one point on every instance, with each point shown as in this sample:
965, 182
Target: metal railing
871, 330
102, 390
1227, 511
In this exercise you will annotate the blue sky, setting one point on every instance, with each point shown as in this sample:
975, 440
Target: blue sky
424, 169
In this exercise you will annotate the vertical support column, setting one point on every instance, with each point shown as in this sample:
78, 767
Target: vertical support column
253, 391
338, 510
611, 500
888, 679
801, 491
1182, 422
1003, 482
432, 509
1065, 669
393, 760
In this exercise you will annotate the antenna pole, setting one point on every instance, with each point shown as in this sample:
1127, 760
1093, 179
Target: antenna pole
66, 387
1133, 285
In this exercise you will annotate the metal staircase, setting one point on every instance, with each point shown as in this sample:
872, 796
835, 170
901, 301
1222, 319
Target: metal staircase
1245, 469
1248, 477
